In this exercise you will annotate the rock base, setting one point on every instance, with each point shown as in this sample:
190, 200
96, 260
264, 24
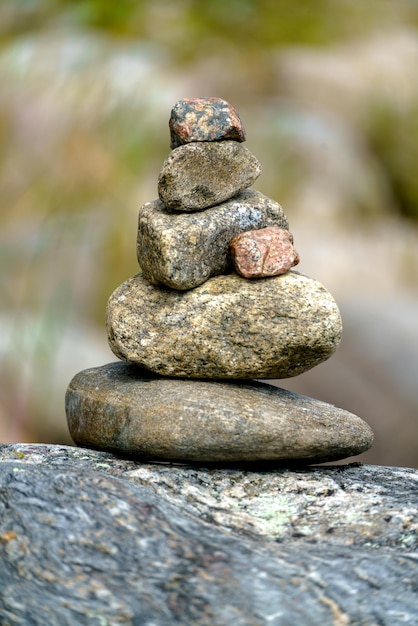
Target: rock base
87, 538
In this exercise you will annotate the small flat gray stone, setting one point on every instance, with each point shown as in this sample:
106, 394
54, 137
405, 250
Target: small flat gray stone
182, 250
204, 119
119, 407
228, 327
198, 175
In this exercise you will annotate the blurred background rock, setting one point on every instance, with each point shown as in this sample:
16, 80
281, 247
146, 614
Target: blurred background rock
328, 94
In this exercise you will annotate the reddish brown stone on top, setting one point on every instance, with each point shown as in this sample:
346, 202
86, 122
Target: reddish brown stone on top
264, 252
204, 119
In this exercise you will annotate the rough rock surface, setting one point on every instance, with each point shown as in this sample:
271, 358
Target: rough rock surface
204, 119
201, 174
263, 252
182, 250
229, 327
123, 408
88, 538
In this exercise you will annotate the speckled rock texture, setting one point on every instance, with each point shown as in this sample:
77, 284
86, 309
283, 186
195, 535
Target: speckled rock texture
120, 407
201, 174
263, 252
87, 538
229, 327
182, 250
204, 119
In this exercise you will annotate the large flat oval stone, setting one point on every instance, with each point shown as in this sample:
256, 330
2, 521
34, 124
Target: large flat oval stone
198, 175
121, 408
182, 250
229, 327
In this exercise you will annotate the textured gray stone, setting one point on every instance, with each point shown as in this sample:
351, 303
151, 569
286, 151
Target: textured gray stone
204, 119
229, 327
201, 174
88, 538
122, 408
182, 250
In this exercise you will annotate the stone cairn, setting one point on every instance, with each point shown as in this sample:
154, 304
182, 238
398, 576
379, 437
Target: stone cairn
215, 306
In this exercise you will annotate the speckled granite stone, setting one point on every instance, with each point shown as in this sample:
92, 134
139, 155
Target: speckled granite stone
182, 250
121, 408
204, 119
229, 327
263, 252
201, 174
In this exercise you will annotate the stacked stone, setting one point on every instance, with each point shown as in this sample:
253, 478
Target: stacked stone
214, 306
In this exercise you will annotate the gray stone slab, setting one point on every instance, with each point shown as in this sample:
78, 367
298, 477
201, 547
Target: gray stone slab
122, 408
202, 174
182, 250
88, 538
229, 327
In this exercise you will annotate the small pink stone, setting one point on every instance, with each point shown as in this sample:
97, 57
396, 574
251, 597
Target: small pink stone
265, 252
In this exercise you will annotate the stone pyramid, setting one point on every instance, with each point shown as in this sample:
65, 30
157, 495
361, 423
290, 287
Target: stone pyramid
214, 307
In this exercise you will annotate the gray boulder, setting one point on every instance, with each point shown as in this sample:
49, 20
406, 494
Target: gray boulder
182, 250
120, 407
88, 538
229, 327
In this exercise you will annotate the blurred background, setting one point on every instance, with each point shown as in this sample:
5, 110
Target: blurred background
328, 93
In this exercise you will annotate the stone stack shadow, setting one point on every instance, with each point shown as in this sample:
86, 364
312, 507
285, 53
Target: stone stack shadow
215, 306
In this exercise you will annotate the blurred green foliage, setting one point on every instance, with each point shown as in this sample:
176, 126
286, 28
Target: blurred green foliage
393, 136
187, 26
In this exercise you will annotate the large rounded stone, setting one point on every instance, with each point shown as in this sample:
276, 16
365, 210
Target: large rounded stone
198, 175
123, 408
229, 327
